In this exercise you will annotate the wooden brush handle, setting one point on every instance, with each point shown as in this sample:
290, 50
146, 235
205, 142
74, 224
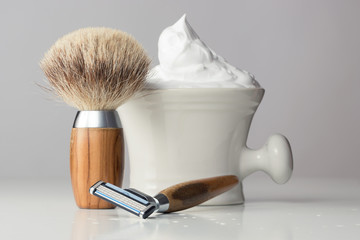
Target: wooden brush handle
188, 194
95, 154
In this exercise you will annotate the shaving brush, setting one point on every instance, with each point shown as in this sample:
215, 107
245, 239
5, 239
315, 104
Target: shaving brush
95, 70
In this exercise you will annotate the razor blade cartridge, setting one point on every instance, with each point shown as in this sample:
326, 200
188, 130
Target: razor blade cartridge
131, 200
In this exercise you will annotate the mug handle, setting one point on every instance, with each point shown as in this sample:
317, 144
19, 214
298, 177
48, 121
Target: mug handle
274, 158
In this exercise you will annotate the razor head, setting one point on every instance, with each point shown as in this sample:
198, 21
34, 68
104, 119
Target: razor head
131, 200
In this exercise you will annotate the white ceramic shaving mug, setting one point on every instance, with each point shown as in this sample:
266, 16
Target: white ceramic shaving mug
176, 135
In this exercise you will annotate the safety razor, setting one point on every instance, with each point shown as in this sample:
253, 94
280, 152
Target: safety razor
178, 197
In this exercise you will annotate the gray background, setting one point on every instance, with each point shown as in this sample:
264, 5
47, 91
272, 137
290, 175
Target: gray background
306, 55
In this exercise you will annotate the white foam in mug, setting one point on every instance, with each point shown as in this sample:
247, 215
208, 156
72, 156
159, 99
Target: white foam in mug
176, 135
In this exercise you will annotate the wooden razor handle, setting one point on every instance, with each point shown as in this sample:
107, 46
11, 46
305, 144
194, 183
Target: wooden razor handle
189, 194
95, 154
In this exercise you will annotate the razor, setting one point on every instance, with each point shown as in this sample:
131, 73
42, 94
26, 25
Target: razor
178, 197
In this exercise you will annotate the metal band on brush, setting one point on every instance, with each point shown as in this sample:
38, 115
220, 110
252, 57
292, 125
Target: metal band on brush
97, 119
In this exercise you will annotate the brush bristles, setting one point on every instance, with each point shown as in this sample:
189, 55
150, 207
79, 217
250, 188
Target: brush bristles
96, 68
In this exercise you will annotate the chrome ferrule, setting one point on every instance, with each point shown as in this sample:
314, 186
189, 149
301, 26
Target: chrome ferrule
162, 202
97, 119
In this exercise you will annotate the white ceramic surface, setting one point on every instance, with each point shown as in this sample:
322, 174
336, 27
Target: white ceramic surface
302, 209
176, 135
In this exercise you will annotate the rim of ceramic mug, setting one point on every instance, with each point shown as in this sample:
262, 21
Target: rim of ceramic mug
147, 91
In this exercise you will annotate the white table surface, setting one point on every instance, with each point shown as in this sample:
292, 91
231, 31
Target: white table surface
300, 209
